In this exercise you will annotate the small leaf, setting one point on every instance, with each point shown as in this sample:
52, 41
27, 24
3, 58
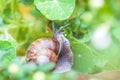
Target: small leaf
55, 9
27, 2
75, 24
7, 50
22, 36
29, 67
46, 67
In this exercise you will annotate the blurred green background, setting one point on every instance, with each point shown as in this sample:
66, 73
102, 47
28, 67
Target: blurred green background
94, 35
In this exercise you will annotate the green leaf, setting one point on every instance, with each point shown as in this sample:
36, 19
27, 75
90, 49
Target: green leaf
27, 68
27, 2
83, 57
116, 33
89, 61
7, 50
23, 33
109, 58
46, 67
86, 36
55, 9
75, 24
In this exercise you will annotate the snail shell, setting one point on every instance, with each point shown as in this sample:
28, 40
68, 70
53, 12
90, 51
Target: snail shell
42, 51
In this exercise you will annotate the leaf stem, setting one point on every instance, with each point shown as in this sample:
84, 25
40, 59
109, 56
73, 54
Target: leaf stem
13, 8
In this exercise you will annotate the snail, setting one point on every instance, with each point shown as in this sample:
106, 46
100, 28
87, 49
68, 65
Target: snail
55, 49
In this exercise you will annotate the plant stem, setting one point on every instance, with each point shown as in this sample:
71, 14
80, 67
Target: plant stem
14, 8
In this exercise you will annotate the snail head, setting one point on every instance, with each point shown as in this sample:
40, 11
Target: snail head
58, 33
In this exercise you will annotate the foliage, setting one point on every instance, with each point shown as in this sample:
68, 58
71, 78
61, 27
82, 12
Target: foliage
93, 34
56, 9
7, 50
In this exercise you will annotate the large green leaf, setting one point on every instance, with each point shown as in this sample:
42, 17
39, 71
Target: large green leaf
109, 58
55, 9
89, 61
7, 50
83, 57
